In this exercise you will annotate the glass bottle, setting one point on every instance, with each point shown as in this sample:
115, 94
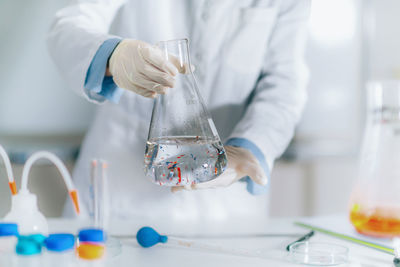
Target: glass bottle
375, 201
183, 145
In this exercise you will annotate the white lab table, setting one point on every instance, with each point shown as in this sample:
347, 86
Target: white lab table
221, 234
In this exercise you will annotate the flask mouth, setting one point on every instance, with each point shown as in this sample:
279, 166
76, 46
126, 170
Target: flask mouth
177, 51
174, 41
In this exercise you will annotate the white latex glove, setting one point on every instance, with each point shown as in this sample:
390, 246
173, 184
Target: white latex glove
241, 163
140, 67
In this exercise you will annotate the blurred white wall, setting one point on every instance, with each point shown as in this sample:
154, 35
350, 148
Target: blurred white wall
331, 119
318, 177
382, 32
33, 97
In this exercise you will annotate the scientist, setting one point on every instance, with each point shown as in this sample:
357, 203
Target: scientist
249, 65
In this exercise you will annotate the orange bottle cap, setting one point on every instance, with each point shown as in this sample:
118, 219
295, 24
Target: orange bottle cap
90, 251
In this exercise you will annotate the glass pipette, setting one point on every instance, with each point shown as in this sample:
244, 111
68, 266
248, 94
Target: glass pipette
148, 237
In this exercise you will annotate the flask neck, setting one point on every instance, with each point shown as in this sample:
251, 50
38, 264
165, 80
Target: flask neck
384, 101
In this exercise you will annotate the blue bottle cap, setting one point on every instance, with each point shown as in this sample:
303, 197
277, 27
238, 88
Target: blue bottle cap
8, 229
92, 235
60, 242
38, 238
28, 247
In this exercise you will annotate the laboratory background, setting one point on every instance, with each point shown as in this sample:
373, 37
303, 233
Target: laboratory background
349, 43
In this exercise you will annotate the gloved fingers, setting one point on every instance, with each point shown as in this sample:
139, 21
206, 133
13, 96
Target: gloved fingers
142, 81
255, 172
180, 188
175, 189
125, 83
156, 75
246, 164
227, 178
183, 68
139, 90
188, 187
235, 153
144, 92
154, 56
224, 180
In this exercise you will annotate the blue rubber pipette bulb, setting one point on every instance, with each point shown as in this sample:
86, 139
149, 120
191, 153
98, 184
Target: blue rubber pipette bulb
148, 237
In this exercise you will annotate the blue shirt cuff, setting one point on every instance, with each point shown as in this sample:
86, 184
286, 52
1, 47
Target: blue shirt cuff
252, 187
97, 86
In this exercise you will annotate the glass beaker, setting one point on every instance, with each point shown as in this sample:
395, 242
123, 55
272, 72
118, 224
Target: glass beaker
183, 146
375, 200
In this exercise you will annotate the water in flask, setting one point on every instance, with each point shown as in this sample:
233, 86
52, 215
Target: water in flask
184, 160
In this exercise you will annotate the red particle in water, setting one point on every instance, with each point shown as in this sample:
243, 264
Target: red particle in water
179, 175
178, 157
163, 174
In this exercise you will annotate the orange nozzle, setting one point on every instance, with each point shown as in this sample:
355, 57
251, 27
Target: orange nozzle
74, 197
13, 187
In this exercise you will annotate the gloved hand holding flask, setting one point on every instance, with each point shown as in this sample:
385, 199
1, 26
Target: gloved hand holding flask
141, 68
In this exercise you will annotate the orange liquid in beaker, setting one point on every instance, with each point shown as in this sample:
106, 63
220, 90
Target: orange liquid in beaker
377, 224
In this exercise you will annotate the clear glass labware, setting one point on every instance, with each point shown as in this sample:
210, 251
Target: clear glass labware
375, 201
183, 146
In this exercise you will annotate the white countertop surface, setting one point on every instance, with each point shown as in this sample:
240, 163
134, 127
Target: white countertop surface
220, 234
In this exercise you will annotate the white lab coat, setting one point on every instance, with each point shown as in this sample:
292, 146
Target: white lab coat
237, 46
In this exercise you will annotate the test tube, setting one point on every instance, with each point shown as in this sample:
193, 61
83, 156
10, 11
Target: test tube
100, 197
101, 206
94, 192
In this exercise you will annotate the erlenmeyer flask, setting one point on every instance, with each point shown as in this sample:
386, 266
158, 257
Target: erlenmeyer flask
375, 201
183, 146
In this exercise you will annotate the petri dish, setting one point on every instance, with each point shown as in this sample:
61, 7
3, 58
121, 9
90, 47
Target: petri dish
316, 253
113, 246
